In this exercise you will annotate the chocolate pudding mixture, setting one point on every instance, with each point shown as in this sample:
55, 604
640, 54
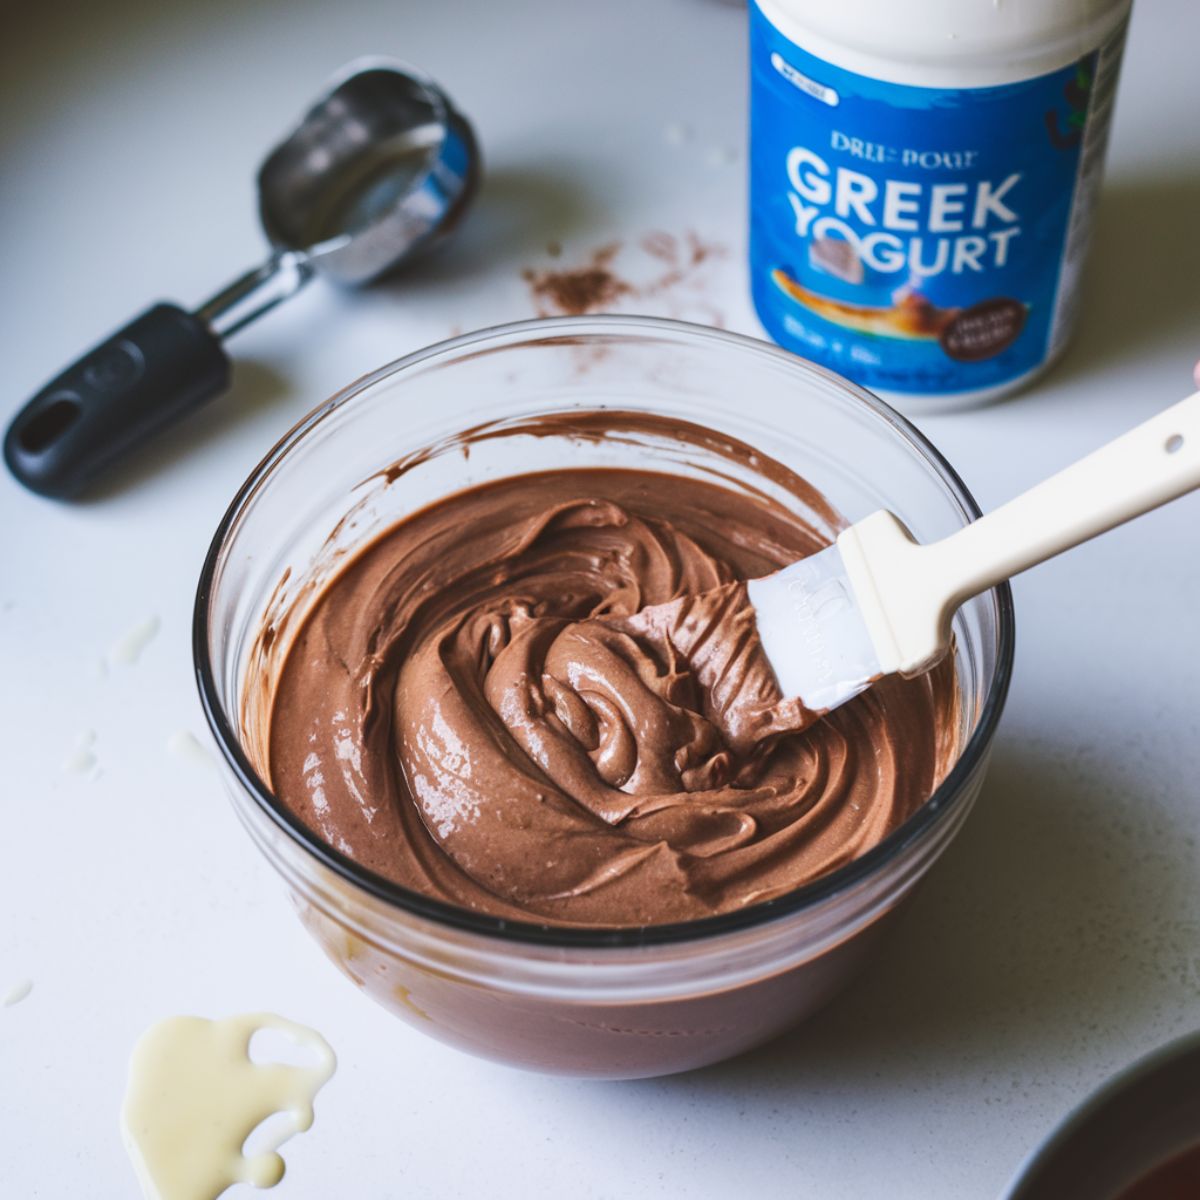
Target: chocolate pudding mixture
475, 709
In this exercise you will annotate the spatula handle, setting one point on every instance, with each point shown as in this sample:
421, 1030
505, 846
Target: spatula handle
1156, 462
918, 587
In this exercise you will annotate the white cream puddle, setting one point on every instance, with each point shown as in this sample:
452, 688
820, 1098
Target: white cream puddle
195, 1096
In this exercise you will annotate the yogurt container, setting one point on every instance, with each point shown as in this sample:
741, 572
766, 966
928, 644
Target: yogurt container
922, 179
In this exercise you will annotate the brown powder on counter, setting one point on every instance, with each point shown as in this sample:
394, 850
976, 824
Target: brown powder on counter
597, 286
579, 290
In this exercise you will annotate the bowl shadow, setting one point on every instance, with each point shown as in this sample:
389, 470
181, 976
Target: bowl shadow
1015, 949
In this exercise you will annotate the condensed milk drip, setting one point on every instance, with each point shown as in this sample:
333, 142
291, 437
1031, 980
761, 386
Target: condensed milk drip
195, 1096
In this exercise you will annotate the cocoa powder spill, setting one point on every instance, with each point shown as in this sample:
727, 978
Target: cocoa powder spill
575, 291
595, 285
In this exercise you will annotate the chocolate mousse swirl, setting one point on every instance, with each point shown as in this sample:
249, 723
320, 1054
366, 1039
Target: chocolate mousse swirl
478, 708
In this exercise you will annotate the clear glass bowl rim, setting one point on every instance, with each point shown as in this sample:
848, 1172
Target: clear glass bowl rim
573, 329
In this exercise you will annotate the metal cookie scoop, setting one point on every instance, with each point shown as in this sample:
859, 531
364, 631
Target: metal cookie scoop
378, 170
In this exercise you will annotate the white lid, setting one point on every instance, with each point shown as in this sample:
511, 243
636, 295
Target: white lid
947, 43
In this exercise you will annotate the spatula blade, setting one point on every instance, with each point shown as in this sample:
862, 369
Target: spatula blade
813, 631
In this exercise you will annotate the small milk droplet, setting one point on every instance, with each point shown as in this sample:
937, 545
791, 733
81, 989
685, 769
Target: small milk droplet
128, 649
183, 744
81, 760
17, 993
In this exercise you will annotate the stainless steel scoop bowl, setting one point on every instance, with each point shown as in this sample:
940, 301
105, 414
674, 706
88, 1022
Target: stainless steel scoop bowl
380, 169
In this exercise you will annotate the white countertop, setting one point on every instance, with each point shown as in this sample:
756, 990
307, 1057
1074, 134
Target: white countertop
1058, 938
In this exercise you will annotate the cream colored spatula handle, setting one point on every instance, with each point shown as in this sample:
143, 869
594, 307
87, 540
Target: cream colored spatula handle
909, 592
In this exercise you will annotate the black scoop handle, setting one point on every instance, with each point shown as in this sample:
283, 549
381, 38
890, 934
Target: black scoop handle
159, 367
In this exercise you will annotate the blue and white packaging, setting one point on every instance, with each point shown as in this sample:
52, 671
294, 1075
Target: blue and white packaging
925, 241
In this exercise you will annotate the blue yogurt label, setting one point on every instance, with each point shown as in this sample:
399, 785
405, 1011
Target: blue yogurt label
920, 240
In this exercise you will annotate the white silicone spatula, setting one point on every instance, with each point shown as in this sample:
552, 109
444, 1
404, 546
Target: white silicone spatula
878, 603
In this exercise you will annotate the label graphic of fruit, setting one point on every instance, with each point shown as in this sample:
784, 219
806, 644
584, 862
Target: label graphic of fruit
1076, 92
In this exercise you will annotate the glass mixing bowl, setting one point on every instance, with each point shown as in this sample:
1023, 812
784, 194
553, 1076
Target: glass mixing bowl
615, 1003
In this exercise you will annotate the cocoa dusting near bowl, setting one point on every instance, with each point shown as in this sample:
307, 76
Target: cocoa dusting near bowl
682, 257
579, 290
673, 265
